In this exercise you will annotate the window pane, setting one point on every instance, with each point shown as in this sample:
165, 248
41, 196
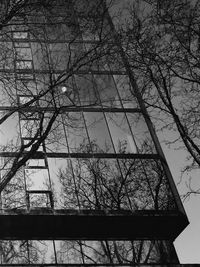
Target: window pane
13, 195
37, 179
130, 184
68, 94
39, 200
27, 98
59, 55
8, 92
23, 53
24, 64
98, 132
9, 132
24, 76
60, 170
41, 252
29, 142
40, 56
107, 91
125, 91
36, 163
26, 87
21, 44
123, 252
14, 252
29, 128
146, 185
56, 139
95, 185
6, 56
141, 133
121, 134
87, 91
76, 132
20, 35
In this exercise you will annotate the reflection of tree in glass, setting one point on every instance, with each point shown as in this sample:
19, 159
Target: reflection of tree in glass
134, 184
22, 252
113, 252
58, 61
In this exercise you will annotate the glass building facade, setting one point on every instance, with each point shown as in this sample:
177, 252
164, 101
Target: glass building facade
83, 179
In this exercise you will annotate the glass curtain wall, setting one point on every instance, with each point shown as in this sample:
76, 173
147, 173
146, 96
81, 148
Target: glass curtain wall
79, 123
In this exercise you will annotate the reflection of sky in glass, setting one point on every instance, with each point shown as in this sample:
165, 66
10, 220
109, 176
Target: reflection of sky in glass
55, 167
37, 179
9, 131
98, 132
141, 133
125, 91
120, 132
107, 91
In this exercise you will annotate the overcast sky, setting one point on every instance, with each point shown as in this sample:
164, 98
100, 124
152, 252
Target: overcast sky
188, 243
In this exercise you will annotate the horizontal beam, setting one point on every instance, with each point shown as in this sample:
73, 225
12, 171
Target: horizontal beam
48, 224
91, 108
40, 155
47, 71
60, 41
99, 265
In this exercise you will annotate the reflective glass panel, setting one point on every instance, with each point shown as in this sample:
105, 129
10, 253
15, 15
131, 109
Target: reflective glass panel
76, 132
141, 133
20, 35
87, 92
98, 132
56, 139
121, 134
37, 179
125, 91
107, 90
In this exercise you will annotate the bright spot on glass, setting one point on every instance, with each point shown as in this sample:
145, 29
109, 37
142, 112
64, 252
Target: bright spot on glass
64, 89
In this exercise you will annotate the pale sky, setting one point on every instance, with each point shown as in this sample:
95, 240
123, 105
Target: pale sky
188, 243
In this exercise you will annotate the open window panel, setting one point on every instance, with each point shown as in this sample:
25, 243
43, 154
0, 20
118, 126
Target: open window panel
20, 34
21, 44
25, 99
24, 76
28, 142
37, 179
36, 164
24, 64
37, 199
19, 24
29, 115
30, 129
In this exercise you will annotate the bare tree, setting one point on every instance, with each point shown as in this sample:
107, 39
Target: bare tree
161, 41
